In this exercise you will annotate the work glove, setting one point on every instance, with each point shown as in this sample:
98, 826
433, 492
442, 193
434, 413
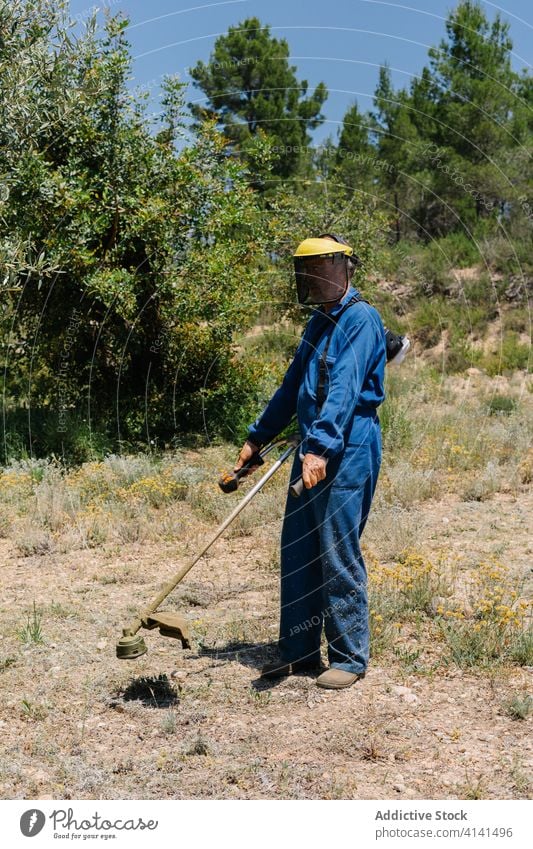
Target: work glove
313, 470
247, 452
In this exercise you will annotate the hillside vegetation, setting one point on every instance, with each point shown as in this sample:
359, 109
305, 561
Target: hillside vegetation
136, 251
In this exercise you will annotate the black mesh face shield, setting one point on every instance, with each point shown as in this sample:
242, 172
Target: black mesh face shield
321, 279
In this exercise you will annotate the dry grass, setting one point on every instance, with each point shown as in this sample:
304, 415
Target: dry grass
439, 437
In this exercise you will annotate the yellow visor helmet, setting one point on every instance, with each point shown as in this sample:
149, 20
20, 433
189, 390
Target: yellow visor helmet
321, 269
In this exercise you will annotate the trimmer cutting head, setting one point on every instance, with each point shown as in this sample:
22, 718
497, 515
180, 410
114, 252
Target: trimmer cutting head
131, 646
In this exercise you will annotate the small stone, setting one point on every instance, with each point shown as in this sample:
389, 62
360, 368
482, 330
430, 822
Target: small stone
101, 644
399, 787
406, 693
178, 675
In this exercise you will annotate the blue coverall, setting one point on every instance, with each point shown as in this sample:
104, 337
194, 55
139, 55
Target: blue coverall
323, 574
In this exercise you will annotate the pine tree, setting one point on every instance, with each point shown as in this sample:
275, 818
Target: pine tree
475, 97
250, 86
355, 156
397, 144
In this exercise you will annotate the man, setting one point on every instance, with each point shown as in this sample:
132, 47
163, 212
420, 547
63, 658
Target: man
334, 384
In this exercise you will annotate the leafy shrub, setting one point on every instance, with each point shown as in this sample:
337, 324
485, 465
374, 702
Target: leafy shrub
513, 355
499, 404
480, 293
460, 250
494, 629
460, 355
519, 707
499, 253
429, 319
521, 650
434, 271
395, 425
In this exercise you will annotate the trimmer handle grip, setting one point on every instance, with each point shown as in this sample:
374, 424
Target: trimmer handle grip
296, 487
229, 482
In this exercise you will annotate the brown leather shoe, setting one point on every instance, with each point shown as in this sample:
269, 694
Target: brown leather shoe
338, 679
279, 668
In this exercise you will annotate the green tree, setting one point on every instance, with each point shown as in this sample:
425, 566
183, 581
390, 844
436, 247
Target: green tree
474, 96
249, 86
355, 155
474, 83
122, 263
457, 143
397, 142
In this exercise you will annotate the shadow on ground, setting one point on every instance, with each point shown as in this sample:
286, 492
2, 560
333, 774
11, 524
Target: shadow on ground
154, 691
253, 655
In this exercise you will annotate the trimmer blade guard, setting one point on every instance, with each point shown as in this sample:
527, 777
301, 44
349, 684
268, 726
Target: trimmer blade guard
170, 625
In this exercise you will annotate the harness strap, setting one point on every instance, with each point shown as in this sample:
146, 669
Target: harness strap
322, 365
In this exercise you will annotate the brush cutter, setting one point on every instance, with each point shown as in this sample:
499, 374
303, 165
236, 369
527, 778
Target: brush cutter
131, 645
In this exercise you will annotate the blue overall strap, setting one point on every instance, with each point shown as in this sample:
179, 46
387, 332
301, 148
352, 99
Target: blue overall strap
322, 365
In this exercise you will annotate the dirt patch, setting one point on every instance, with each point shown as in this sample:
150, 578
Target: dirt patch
409, 730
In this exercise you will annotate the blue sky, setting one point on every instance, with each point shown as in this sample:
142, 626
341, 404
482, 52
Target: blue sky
341, 42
